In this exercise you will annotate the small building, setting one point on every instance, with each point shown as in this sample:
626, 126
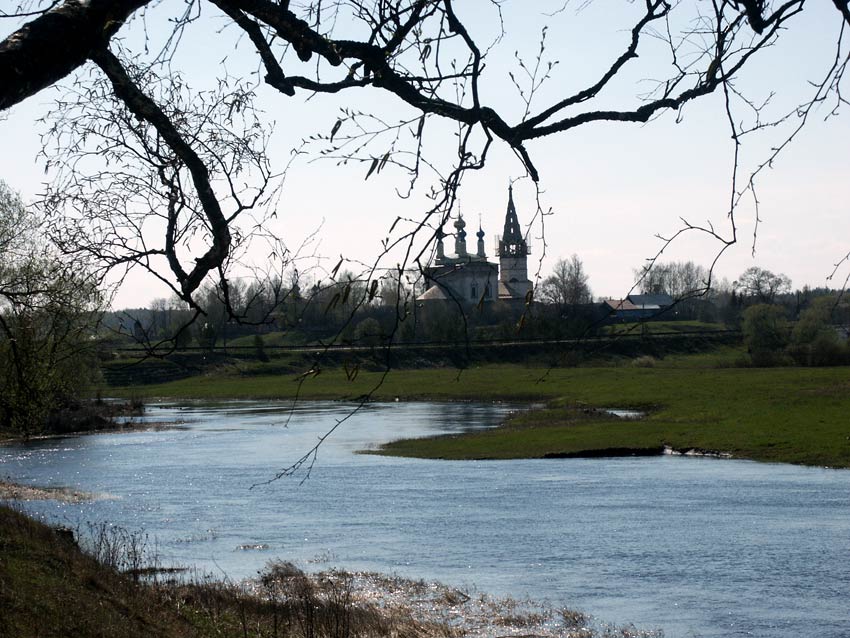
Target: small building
660, 301
636, 307
621, 309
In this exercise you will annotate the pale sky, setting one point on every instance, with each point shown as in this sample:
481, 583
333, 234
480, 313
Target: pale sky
611, 187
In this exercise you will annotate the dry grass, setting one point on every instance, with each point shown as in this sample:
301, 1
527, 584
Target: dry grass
434, 609
15, 492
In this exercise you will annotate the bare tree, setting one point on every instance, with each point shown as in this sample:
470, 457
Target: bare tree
761, 285
679, 279
567, 285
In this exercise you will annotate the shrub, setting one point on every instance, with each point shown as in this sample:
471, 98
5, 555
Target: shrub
766, 334
644, 362
813, 320
827, 350
813, 340
368, 332
260, 349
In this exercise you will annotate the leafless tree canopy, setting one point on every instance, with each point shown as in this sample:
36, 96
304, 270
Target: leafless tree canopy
762, 285
186, 168
568, 283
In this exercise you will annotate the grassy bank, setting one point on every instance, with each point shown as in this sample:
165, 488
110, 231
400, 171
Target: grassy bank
792, 415
795, 415
487, 383
84, 415
49, 588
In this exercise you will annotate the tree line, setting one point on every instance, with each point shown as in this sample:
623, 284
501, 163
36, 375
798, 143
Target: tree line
350, 310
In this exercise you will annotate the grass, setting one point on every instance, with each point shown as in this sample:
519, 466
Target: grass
794, 415
654, 327
487, 383
48, 587
270, 339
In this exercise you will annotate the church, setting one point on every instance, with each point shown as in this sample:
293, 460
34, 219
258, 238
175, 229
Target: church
470, 279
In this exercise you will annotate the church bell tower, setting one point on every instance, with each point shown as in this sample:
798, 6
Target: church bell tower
513, 254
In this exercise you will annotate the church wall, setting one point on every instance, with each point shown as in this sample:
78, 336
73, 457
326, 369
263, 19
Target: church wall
465, 282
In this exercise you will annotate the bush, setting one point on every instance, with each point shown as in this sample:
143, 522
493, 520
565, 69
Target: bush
827, 350
368, 333
813, 320
49, 313
813, 340
260, 349
766, 334
644, 362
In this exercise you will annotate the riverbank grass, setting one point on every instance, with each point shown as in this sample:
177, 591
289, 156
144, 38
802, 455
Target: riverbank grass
791, 415
701, 402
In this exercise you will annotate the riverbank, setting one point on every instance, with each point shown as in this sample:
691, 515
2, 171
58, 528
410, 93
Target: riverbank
10, 491
50, 587
790, 414
82, 417
89, 417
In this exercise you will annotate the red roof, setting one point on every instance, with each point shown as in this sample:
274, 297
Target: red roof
621, 304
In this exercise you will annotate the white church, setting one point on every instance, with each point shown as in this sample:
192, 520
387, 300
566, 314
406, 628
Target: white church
469, 278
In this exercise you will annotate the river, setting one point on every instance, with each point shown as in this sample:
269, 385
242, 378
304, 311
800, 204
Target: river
694, 546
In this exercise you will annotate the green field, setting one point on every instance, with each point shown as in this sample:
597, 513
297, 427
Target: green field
794, 415
785, 414
656, 327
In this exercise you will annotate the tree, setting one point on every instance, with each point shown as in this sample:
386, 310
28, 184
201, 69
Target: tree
813, 340
679, 279
765, 333
688, 283
180, 153
368, 333
567, 285
761, 285
49, 311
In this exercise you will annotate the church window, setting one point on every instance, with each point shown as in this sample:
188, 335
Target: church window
474, 294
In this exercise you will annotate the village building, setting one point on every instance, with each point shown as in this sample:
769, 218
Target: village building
636, 307
471, 278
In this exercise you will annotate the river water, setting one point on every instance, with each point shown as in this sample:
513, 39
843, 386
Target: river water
693, 546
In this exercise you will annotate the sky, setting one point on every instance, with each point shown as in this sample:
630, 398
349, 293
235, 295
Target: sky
611, 188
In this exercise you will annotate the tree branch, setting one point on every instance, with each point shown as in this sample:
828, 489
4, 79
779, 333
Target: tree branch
146, 109
45, 50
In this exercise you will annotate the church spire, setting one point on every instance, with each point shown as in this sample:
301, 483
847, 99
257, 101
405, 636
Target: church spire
512, 242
